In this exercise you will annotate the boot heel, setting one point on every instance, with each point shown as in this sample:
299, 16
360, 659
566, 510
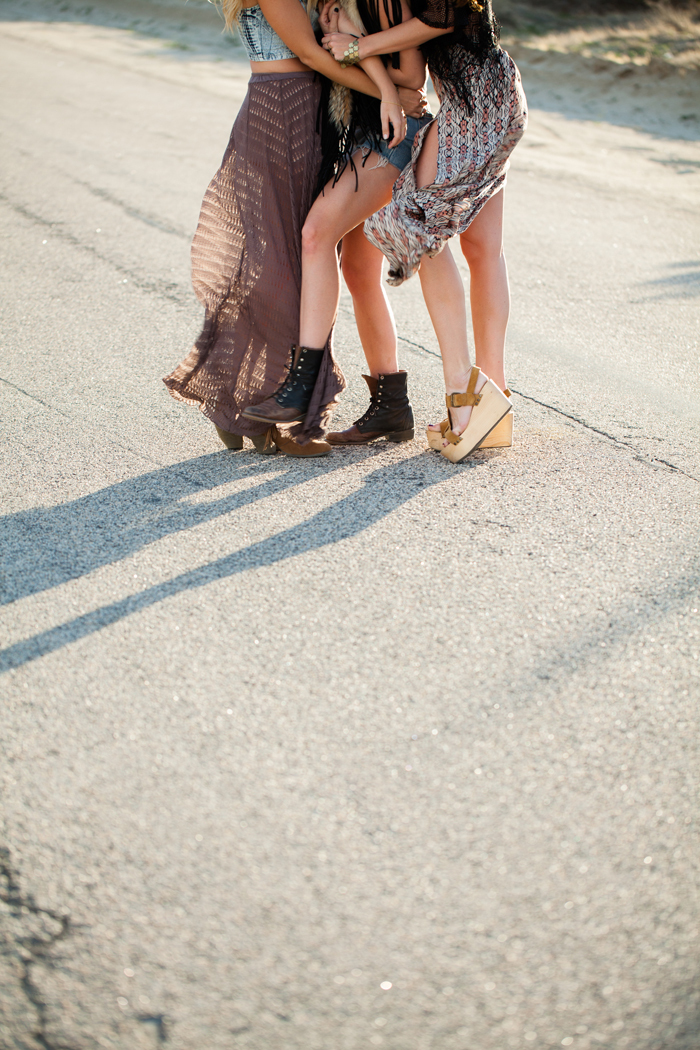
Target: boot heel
264, 443
232, 441
290, 447
401, 435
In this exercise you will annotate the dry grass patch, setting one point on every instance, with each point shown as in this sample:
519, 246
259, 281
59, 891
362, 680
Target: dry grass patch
659, 33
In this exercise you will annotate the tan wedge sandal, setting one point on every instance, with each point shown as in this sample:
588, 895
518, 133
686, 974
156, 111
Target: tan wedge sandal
489, 406
502, 434
500, 437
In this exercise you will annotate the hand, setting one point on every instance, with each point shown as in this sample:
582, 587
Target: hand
415, 103
337, 44
345, 23
334, 19
393, 119
328, 16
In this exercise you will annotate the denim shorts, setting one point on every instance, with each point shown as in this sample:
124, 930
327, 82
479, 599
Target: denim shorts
400, 155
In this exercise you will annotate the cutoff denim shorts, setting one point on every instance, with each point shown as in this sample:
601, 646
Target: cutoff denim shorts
400, 155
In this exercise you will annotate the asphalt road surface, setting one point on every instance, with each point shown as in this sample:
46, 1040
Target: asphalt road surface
366, 751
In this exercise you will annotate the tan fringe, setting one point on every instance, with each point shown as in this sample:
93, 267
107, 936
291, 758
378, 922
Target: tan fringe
340, 101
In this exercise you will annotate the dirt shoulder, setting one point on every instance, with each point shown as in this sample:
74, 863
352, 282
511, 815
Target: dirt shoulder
639, 69
656, 34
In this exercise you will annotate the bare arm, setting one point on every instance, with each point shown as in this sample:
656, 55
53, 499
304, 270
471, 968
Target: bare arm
411, 72
289, 21
409, 34
391, 110
414, 102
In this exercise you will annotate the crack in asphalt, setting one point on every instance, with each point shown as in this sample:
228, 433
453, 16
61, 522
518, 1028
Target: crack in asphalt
133, 213
109, 198
425, 350
32, 948
655, 463
163, 289
67, 415
33, 397
350, 314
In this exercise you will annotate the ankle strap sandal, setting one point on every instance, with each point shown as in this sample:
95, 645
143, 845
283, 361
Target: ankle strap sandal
488, 407
462, 400
500, 437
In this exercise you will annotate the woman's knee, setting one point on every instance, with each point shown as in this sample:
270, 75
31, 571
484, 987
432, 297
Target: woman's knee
316, 235
480, 248
482, 242
355, 280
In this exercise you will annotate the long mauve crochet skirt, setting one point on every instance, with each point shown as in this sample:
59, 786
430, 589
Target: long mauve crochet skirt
246, 261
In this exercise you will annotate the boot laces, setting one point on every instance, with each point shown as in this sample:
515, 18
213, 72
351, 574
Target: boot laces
286, 388
375, 403
289, 383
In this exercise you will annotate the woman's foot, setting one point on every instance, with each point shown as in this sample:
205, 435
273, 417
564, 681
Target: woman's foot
290, 403
460, 406
500, 437
459, 409
483, 405
232, 441
389, 414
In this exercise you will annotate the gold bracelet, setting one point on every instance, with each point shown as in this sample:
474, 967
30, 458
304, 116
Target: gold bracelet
351, 55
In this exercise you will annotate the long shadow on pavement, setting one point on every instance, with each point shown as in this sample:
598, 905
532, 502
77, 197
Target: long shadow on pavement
383, 491
45, 547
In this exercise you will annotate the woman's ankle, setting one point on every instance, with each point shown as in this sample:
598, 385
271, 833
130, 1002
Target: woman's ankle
493, 367
458, 382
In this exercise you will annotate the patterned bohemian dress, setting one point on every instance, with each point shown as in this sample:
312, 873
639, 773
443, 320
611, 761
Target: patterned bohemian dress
246, 253
482, 117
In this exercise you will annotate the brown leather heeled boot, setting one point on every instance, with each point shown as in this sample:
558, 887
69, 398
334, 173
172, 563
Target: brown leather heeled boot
232, 441
389, 414
311, 450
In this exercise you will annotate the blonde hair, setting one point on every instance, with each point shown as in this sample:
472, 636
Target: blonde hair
230, 9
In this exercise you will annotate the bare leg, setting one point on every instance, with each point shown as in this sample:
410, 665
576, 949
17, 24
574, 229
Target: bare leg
482, 246
334, 214
443, 291
362, 269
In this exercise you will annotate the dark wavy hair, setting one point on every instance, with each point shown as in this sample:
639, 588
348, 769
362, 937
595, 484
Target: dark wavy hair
474, 38
365, 122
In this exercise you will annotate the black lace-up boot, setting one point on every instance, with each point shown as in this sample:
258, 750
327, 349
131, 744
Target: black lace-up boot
389, 414
291, 402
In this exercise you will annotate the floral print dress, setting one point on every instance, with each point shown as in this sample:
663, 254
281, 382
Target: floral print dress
482, 117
